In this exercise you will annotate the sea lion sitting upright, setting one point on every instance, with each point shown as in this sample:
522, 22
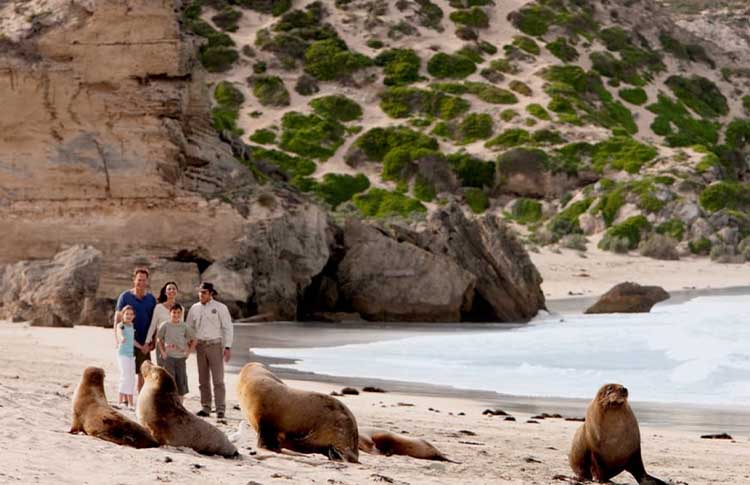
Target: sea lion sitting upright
302, 421
381, 442
93, 415
162, 413
609, 441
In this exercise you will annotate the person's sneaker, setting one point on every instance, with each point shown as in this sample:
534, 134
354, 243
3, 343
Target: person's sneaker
220, 415
203, 413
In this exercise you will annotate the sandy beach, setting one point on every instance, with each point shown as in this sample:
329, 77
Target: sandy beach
41, 367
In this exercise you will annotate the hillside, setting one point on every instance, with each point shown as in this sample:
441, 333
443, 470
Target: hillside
622, 121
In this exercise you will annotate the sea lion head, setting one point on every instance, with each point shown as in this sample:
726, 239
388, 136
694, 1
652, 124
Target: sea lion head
612, 395
94, 377
158, 376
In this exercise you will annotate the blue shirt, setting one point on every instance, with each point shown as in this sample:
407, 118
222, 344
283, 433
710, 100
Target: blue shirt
126, 348
144, 310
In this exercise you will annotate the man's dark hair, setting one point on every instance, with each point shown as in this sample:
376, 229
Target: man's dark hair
140, 270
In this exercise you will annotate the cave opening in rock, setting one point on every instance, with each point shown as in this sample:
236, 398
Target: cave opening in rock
199, 256
481, 311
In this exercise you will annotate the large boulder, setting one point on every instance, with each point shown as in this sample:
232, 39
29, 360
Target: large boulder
629, 298
51, 292
287, 243
508, 285
386, 280
234, 285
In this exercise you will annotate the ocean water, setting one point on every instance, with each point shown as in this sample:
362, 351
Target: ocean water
696, 352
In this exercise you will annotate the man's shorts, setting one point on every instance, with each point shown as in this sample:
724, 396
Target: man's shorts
140, 358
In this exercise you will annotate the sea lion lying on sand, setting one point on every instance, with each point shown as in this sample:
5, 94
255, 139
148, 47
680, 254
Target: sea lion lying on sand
609, 441
93, 415
162, 413
381, 442
302, 421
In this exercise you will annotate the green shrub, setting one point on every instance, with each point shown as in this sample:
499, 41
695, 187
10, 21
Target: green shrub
509, 138
533, 19
473, 17
636, 96
229, 99
337, 188
443, 65
746, 103
673, 228
609, 205
430, 15
293, 166
475, 126
615, 38
526, 211
217, 59
263, 136
269, 90
547, 137
471, 171
505, 66
630, 229
508, 115
337, 107
699, 94
217, 55
330, 59
489, 93
273, 7
526, 44
403, 101
538, 111
691, 52
227, 19
725, 195
520, 87
562, 50
377, 142
622, 153
398, 162
380, 203
566, 221
476, 199
311, 135
680, 129
400, 66
424, 190
606, 64
738, 134
701, 246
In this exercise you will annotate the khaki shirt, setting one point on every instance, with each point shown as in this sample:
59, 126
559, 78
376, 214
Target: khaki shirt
211, 321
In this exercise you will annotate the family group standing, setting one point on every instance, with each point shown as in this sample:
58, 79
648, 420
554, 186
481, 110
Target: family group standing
144, 323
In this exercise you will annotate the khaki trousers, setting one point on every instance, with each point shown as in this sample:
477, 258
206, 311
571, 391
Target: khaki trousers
211, 370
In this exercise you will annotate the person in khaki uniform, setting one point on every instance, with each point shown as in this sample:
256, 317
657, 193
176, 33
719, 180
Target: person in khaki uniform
212, 327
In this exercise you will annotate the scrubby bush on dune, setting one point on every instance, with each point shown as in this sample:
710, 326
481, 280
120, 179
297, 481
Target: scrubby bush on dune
291, 165
700, 246
400, 66
263, 136
566, 221
678, 127
509, 138
657, 246
336, 188
576, 242
472, 171
699, 94
631, 229
270, 90
725, 195
691, 52
533, 19
337, 107
273, 7
377, 142
520, 87
311, 135
562, 50
476, 199
443, 66
224, 115
527, 44
380, 203
526, 211
622, 153
330, 59
475, 126
227, 19
473, 17
673, 228
403, 101
636, 96
424, 190
538, 111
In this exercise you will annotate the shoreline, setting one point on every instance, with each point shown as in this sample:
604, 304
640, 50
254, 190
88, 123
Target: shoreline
42, 366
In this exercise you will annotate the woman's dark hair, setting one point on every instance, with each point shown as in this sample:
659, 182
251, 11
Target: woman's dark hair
163, 292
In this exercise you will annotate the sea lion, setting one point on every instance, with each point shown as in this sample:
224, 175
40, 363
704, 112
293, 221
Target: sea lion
381, 442
93, 415
162, 413
302, 421
609, 440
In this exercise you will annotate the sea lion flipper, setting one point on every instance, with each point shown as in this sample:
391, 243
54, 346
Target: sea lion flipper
268, 437
635, 467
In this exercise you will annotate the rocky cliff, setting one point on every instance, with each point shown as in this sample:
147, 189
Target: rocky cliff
106, 142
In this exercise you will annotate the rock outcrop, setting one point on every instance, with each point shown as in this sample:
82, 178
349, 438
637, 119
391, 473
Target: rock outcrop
387, 280
51, 292
629, 298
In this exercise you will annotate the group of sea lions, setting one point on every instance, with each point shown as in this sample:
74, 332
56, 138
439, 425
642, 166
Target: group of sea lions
607, 443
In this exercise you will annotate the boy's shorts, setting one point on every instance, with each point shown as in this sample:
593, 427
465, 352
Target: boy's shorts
177, 368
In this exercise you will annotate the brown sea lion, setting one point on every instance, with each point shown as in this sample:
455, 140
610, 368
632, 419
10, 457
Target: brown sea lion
302, 421
609, 441
381, 442
162, 413
93, 415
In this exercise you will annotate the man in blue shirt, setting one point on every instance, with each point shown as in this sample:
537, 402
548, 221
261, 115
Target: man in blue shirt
144, 304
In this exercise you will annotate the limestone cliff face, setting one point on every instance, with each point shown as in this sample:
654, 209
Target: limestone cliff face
104, 138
